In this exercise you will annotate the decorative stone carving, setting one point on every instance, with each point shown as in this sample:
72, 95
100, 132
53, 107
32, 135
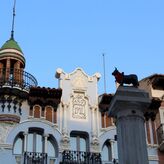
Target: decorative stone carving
95, 144
4, 130
65, 141
79, 80
79, 106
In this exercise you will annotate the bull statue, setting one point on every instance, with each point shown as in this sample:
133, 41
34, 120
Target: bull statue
125, 79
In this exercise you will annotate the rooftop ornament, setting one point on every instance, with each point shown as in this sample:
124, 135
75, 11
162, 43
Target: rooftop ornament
125, 79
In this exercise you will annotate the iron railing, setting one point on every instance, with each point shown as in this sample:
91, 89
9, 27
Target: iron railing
114, 161
35, 158
80, 157
17, 78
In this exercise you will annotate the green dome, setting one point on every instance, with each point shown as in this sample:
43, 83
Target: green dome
11, 44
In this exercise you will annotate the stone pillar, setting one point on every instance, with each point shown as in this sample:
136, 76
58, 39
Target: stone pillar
128, 106
93, 120
46, 142
25, 141
65, 106
112, 149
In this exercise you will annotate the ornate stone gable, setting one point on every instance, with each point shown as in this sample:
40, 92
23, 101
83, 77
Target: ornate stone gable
79, 91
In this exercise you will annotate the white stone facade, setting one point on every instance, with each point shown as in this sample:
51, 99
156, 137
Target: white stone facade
79, 125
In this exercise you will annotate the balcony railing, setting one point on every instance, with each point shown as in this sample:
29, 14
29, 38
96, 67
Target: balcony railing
114, 161
160, 135
17, 78
80, 157
35, 158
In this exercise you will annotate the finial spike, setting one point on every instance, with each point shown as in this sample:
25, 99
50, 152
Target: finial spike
13, 21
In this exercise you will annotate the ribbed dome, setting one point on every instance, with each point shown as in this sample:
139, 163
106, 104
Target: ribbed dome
11, 44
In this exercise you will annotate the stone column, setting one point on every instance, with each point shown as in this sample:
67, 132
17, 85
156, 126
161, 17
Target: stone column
45, 142
25, 141
112, 149
93, 120
128, 106
94, 141
65, 106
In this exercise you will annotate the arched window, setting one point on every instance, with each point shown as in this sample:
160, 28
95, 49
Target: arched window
49, 113
18, 144
51, 150
35, 144
106, 121
79, 141
37, 111
18, 147
106, 153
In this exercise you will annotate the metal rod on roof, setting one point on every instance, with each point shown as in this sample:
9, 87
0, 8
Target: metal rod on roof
13, 21
104, 72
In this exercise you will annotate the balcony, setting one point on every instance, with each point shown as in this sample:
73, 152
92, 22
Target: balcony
160, 135
80, 157
35, 158
16, 78
114, 161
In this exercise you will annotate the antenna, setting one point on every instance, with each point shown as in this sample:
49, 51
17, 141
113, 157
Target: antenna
104, 72
12, 30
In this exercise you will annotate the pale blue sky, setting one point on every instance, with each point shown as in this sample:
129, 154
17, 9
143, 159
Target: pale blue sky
75, 33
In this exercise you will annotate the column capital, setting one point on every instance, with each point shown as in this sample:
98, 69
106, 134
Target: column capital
25, 133
112, 141
129, 101
93, 108
46, 135
65, 105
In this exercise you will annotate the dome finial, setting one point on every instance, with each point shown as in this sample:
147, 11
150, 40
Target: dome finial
12, 31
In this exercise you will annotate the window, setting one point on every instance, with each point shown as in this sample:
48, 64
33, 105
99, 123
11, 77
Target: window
79, 141
51, 152
49, 114
35, 142
40, 146
106, 151
18, 145
106, 121
37, 111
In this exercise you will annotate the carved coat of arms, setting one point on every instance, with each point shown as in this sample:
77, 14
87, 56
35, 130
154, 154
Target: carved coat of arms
79, 110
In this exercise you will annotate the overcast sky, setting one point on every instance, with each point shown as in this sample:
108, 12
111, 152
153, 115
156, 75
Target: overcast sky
75, 33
